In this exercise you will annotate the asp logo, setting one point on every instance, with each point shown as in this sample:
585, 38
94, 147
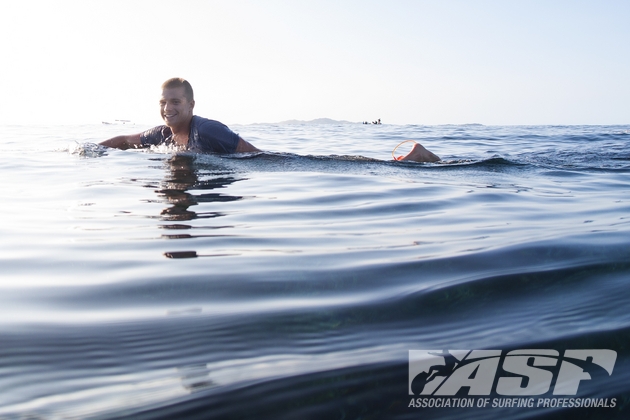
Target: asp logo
529, 372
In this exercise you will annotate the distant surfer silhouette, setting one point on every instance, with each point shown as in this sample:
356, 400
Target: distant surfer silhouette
186, 131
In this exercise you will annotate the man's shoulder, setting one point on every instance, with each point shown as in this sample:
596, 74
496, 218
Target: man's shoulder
155, 135
212, 136
158, 129
199, 122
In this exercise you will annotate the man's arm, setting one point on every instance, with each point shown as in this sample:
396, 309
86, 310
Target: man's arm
245, 146
123, 142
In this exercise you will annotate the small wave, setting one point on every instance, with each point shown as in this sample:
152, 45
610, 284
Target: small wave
273, 161
87, 150
494, 161
165, 148
90, 150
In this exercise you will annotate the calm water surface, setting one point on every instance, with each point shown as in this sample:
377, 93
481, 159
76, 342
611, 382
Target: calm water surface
151, 284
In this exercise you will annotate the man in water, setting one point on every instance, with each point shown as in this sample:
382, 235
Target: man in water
191, 132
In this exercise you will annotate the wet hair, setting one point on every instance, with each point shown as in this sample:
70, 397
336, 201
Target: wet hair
176, 82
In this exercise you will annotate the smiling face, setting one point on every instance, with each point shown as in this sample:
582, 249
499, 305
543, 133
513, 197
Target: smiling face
176, 110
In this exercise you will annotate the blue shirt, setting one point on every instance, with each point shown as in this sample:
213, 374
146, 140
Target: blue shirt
206, 136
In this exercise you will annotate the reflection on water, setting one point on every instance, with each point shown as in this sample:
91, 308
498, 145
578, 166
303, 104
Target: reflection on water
179, 189
182, 177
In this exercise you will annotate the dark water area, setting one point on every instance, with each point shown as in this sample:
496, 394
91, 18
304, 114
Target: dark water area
312, 280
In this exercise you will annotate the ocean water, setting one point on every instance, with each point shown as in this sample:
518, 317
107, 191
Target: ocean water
293, 284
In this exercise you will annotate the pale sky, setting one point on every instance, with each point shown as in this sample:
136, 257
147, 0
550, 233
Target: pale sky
492, 62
